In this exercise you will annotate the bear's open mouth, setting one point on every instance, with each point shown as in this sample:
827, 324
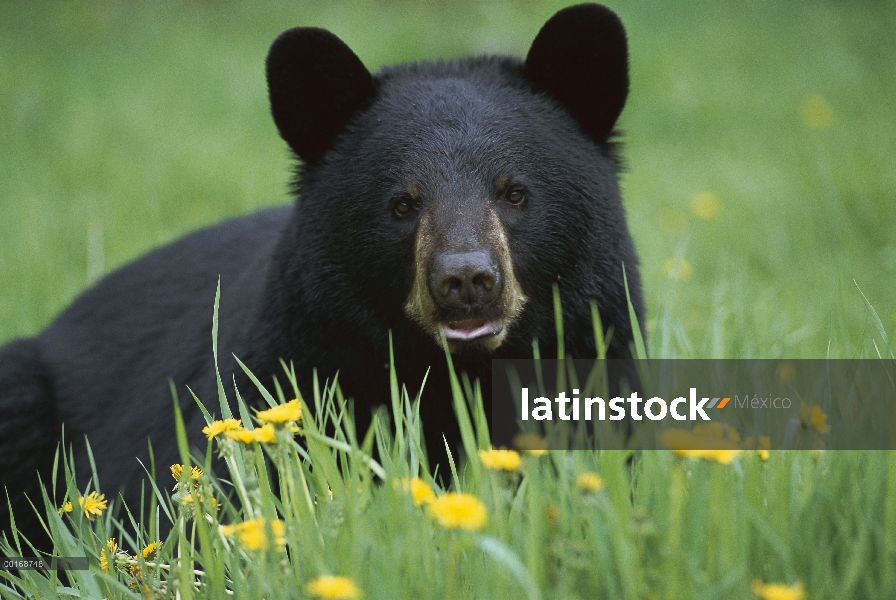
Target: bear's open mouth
471, 329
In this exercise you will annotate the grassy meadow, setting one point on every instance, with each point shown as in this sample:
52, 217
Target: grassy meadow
760, 185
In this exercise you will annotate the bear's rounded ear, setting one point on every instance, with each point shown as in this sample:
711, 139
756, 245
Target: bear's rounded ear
315, 83
580, 57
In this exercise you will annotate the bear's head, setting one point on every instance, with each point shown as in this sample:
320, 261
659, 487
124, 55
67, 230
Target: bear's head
452, 196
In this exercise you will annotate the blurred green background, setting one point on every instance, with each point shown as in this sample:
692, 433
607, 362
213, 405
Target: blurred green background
760, 145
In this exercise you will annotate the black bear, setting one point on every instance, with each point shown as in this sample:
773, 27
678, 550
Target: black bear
440, 198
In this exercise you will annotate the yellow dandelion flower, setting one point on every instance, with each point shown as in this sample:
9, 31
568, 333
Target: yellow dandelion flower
211, 501
94, 505
240, 434
785, 371
333, 587
459, 511
291, 412
590, 482
218, 427
706, 205
136, 572
812, 417
676, 439
765, 442
252, 534
421, 492
149, 552
531, 443
711, 436
677, 269
108, 553
725, 457
178, 470
779, 591
264, 434
816, 112
715, 441
506, 460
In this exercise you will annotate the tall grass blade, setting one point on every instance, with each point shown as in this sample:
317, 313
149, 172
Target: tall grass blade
640, 347
222, 397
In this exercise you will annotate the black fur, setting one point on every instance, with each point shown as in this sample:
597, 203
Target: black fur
322, 283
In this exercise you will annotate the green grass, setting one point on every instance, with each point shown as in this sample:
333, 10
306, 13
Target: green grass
660, 526
126, 126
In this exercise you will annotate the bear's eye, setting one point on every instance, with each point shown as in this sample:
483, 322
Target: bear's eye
515, 196
402, 207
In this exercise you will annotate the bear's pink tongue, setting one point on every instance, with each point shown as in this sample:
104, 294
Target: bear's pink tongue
470, 329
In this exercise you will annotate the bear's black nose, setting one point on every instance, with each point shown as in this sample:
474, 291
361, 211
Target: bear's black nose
465, 280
